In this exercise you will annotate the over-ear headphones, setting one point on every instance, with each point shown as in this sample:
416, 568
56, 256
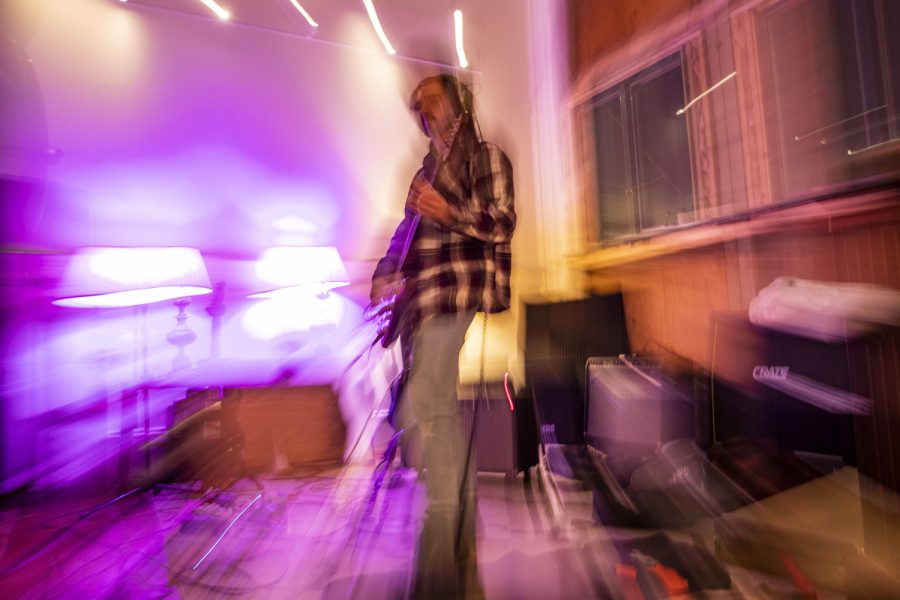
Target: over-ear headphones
454, 89
460, 92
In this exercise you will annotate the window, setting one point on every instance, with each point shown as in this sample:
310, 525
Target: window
643, 166
834, 67
868, 57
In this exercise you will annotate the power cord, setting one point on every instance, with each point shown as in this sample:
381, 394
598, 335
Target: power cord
56, 539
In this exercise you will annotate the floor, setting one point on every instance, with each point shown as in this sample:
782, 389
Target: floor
336, 534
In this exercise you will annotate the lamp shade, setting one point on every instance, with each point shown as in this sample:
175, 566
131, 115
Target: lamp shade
317, 268
116, 277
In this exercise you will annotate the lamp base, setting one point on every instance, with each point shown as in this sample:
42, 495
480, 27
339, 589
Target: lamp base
181, 336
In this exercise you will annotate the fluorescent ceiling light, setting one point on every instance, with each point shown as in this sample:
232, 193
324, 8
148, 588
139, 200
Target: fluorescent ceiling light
460, 50
373, 16
305, 14
218, 10
681, 111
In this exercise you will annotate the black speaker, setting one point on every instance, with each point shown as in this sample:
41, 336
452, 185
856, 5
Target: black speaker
563, 335
559, 338
826, 368
495, 427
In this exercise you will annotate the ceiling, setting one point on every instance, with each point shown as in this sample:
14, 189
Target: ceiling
418, 29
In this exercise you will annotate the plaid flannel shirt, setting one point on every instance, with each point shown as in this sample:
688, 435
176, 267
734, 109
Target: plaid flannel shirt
465, 265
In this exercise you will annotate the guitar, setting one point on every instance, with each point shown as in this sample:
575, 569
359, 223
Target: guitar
388, 314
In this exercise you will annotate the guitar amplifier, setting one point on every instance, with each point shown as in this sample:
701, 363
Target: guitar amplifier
299, 425
496, 438
631, 408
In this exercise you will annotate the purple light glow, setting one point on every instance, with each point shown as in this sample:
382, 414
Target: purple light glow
292, 310
132, 297
152, 144
319, 267
179, 152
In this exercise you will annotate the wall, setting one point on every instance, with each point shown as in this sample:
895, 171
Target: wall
600, 27
151, 123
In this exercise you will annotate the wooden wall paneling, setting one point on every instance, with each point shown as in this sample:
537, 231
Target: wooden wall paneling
888, 247
659, 321
586, 173
700, 137
642, 304
694, 330
804, 255
722, 289
870, 255
668, 301
712, 294
876, 375
668, 284
596, 28
761, 182
687, 291
740, 274
726, 120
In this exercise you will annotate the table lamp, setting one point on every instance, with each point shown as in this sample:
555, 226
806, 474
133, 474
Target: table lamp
318, 269
296, 281
106, 277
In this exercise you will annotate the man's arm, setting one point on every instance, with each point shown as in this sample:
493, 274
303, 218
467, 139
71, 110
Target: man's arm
386, 275
489, 215
389, 263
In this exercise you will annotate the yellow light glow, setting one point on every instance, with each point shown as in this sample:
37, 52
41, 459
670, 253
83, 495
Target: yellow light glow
373, 16
305, 14
460, 50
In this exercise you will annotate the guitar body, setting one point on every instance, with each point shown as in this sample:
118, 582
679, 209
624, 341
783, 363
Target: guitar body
392, 319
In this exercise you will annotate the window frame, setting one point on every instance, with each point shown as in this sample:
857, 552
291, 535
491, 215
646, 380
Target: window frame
623, 91
849, 172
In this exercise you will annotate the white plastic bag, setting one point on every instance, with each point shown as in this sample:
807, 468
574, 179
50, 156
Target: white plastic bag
825, 311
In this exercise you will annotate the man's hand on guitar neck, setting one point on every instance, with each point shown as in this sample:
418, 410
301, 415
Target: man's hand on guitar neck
428, 202
384, 287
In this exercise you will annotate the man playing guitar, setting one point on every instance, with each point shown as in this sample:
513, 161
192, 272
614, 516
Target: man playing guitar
449, 258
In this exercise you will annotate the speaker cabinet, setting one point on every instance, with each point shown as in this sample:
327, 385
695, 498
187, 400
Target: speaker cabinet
631, 407
301, 425
495, 442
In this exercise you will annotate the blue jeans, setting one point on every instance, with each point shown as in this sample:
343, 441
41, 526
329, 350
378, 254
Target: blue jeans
446, 565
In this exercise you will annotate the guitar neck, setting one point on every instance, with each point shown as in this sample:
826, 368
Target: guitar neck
414, 225
407, 243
